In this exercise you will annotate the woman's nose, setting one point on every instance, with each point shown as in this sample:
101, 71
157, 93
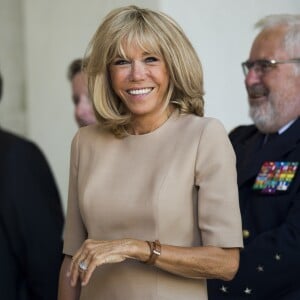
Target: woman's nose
138, 71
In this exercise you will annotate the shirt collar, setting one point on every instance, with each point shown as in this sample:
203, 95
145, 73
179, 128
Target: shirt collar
285, 127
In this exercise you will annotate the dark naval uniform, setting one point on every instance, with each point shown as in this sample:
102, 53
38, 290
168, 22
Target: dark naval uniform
269, 191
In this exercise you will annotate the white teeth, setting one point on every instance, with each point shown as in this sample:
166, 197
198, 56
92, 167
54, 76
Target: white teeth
140, 91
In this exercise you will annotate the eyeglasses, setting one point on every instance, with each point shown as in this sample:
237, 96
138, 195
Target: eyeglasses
262, 66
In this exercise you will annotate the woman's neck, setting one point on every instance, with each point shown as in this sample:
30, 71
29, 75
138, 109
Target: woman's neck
147, 124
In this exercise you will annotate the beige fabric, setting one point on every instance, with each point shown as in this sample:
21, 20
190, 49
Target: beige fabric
176, 184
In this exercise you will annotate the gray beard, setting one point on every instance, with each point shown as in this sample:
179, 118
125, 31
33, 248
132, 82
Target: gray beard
263, 116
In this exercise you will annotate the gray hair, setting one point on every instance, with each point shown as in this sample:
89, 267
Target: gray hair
291, 38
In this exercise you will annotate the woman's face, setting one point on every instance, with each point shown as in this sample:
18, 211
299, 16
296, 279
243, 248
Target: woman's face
141, 81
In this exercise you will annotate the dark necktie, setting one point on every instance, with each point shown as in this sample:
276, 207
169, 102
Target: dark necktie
269, 138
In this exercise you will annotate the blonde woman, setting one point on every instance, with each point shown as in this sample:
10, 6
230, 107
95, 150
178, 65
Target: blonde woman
153, 206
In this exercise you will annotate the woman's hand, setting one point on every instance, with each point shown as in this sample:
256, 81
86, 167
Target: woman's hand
93, 254
190, 262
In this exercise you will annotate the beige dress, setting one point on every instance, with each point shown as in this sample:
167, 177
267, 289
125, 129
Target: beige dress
176, 184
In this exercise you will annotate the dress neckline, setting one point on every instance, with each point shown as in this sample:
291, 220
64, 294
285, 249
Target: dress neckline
159, 129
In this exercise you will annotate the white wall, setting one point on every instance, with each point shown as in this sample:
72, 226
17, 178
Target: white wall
13, 105
57, 31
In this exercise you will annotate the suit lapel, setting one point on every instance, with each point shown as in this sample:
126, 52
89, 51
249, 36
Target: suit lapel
247, 156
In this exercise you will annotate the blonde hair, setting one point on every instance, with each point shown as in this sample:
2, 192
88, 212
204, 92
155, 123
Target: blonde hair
156, 33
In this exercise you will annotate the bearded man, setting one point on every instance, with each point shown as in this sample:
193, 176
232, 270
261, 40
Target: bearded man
268, 158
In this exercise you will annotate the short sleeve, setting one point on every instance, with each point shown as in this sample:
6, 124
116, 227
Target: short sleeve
219, 216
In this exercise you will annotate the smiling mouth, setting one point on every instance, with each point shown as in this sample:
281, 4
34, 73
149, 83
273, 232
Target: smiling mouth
142, 91
257, 91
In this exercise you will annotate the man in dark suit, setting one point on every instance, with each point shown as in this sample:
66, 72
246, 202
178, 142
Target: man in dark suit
31, 222
268, 164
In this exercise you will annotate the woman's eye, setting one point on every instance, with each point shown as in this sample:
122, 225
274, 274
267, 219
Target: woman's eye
151, 59
119, 62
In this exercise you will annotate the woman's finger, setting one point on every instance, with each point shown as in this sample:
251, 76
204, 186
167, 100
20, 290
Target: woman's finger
86, 275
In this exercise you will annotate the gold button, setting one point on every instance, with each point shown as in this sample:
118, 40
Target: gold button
246, 233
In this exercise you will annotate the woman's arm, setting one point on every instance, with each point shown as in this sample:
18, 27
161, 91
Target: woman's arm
199, 262
65, 290
190, 262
